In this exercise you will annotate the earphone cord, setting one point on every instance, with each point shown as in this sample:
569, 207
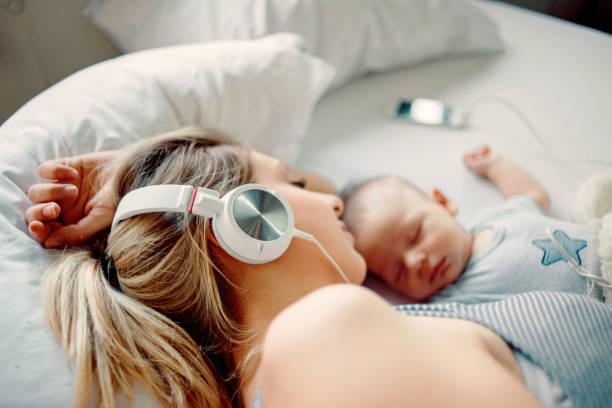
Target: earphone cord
305, 236
593, 279
598, 280
534, 133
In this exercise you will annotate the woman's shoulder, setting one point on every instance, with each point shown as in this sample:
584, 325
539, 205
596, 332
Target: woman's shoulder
316, 321
335, 301
340, 312
313, 339
344, 345
324, 312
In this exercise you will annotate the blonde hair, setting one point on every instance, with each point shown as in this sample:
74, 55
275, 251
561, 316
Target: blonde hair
175, 322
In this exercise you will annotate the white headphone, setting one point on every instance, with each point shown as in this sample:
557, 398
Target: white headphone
252, 222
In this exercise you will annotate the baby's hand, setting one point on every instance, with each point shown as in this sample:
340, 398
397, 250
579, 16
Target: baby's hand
480, 160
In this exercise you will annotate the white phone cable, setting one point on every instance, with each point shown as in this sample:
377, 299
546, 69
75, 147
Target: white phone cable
536, 135
594, 279
591, 278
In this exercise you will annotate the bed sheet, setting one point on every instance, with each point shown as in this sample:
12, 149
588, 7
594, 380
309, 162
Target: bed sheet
557, 74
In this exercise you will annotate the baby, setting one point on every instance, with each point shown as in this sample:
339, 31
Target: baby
411, 241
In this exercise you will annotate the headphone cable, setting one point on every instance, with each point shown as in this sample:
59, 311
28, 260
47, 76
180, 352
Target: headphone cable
307, 237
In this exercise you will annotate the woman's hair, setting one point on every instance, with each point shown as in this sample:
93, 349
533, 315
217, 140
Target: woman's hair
174, 323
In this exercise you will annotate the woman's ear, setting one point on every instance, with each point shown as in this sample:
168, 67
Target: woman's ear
441, 199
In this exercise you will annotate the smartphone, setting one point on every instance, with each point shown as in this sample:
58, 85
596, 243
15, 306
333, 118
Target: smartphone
428, 112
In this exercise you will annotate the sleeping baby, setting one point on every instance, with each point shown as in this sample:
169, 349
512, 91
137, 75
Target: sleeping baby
411, 241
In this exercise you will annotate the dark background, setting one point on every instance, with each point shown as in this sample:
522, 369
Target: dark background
592, 13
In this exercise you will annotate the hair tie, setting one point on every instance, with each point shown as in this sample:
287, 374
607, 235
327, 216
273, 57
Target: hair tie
110, 272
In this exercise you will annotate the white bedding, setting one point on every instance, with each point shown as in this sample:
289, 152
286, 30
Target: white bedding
556, 73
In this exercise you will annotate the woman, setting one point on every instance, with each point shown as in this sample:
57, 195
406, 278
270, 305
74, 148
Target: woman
161, 303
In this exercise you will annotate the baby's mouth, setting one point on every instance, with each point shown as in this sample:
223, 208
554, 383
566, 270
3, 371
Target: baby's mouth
437, 270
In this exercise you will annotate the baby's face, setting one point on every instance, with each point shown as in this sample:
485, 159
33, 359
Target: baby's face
409, 240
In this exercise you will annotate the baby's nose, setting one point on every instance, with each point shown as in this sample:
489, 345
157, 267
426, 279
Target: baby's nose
415, 261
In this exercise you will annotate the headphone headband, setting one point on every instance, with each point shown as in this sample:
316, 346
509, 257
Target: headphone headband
251, 222
168, 198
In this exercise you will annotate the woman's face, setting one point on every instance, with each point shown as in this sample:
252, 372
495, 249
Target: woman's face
315, 213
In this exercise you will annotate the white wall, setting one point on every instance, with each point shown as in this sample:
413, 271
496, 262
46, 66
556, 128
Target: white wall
44, 43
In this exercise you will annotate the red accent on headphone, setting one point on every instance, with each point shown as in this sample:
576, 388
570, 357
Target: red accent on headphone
195, 193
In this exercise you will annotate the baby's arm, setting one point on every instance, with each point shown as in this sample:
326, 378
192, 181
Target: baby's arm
506, 175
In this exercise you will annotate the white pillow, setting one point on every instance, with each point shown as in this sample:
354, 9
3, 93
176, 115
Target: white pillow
261, 91
355, 36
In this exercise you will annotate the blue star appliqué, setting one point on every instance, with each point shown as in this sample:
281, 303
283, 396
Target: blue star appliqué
552, 254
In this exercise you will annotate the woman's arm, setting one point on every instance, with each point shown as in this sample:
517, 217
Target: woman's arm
343, 346
73, 203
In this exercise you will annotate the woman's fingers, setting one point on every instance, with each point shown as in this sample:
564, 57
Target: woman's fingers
56, 170
97, 220
48, 192
40, 231
42, 212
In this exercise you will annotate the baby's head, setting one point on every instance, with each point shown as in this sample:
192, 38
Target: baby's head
408, 238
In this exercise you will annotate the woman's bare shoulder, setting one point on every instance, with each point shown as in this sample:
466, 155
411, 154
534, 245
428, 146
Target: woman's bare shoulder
307, 344
328, 311
344, 346
333, 302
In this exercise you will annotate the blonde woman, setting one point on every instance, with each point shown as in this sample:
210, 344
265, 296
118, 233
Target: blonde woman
159, 301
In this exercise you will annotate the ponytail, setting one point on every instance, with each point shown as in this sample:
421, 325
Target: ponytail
116, 341
171, 318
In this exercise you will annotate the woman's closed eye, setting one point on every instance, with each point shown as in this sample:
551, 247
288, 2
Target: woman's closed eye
301, 182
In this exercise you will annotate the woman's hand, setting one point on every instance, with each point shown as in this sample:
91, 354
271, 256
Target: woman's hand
481, 160
74, 204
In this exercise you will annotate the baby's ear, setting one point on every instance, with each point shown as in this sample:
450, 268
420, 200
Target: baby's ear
441, 199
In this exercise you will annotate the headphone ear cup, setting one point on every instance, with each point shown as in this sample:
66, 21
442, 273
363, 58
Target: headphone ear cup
256, 224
